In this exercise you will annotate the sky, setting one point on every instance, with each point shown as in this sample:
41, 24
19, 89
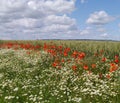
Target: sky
59, 19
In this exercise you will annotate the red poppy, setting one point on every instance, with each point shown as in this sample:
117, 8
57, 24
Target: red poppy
63, 60
116, 56
74, 54
85, 67
54, 64
74, 67
113, 67
60, 47
116, 61
81, 55
67, 49
108, 76
65, 54
93, 66
103, 59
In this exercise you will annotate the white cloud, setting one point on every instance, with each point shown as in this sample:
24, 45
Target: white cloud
43, 6
23, 22
86, 31
119, 25
101, 29
63, 20
32, 19
38, 5
99, 18
95, 33
104, 35
82, 1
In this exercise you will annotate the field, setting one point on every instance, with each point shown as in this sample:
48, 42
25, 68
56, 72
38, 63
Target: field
59, 71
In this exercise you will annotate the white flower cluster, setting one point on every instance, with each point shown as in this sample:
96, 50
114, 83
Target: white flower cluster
30, 78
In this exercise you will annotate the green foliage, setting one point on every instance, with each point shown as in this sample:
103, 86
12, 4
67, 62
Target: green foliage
31, 78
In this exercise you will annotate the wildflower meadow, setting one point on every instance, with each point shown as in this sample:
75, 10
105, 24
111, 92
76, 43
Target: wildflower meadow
59, 72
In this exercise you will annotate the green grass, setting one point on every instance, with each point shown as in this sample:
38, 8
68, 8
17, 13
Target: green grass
32, 79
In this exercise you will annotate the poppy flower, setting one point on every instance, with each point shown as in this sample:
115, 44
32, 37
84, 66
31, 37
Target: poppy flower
85, 67
54, 64
116, 61
65, 54
116, 56
74, 67
81, 55
113, 67
74, 54
108, 76
93, 66
62, 60
103, 59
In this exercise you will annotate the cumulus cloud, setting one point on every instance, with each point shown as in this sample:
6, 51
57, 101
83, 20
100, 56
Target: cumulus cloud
36, 7
99, 18
86, 31
95, 33
33, 19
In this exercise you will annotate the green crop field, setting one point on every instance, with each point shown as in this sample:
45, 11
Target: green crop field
59, 71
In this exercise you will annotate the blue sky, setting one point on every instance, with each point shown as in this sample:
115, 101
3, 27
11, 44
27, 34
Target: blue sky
59, 19
88, 7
